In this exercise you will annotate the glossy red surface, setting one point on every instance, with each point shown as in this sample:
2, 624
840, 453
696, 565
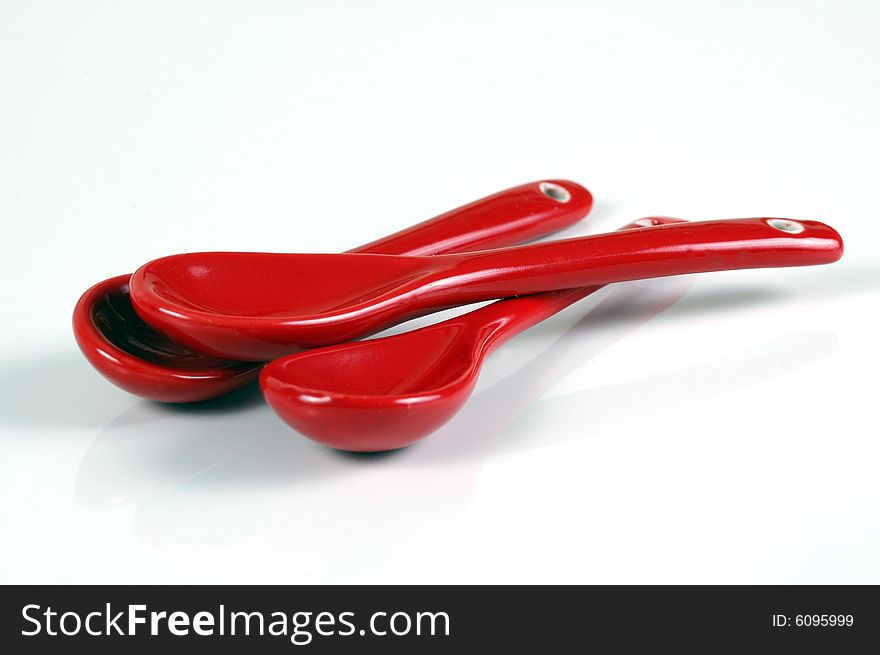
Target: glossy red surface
144, 361
260, 306
387, 393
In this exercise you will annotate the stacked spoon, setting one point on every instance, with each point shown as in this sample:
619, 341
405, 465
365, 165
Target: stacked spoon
144, 361
190, 327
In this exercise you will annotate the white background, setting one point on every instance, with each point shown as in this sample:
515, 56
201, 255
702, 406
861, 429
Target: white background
718, 428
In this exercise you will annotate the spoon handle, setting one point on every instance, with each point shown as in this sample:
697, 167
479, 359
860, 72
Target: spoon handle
506, 218
647, 252
504, 319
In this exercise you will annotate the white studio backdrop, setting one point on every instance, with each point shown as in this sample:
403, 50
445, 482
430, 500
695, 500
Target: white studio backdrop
717, 428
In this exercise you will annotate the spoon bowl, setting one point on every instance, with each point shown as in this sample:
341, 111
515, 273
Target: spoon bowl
144, 361
361, 397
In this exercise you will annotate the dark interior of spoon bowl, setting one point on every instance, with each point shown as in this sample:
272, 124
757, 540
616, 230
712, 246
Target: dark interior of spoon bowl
117, 321
276, 286
428, 360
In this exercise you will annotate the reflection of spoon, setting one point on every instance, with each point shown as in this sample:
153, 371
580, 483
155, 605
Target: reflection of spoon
387, 393
152, 447
676, 393
492, 411
240, 305
144, 361
287, 495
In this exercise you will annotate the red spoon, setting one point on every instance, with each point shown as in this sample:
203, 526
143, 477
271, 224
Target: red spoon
240, 305
144, 361
386, 393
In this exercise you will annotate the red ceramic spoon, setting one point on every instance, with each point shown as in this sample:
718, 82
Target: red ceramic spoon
144, 361
259, 306
387, 393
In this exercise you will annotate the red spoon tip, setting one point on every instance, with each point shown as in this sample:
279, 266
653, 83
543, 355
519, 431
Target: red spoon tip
356, 397
832, 242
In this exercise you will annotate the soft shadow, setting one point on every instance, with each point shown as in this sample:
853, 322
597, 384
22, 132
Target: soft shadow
393, 505
57, 392
610, 409
248, 396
